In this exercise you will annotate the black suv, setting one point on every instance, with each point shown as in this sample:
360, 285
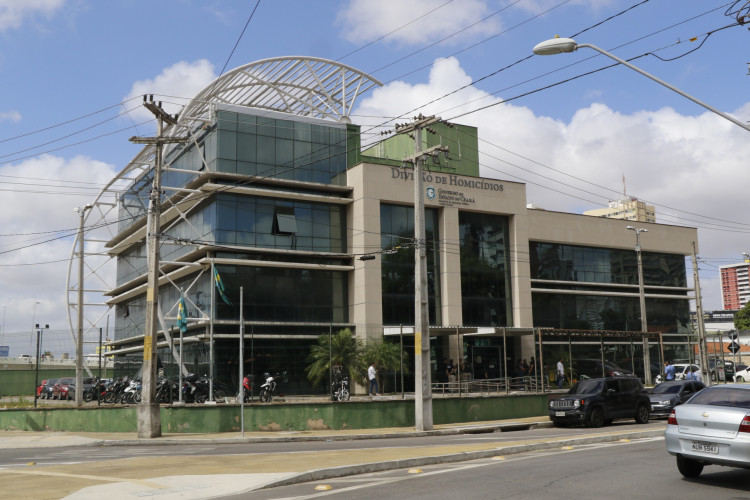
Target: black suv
598, 401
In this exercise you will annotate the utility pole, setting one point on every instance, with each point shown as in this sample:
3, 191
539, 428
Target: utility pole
79, 339
149, 416
422, 365
702, 347
642, 300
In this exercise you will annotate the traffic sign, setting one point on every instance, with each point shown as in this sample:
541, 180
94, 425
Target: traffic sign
734, 347
733, 334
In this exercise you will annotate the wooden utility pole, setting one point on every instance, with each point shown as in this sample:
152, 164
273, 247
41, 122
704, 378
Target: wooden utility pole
149, 416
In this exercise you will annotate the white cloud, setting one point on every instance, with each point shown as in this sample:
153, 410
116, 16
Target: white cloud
34, 211
696, 164
174, 86
364, 20
14, 12
10, 116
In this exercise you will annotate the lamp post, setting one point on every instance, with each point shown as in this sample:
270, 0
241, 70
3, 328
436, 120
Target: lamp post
36, 376
33, 323
79, 339
561, 45
642, 298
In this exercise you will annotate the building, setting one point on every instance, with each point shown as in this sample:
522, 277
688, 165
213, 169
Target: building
629, 208
735, 286
274, 193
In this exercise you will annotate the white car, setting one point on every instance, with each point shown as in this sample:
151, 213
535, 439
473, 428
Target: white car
712, 428
742, 375
681, 370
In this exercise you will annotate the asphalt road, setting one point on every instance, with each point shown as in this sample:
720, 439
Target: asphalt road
81, 455
637, 469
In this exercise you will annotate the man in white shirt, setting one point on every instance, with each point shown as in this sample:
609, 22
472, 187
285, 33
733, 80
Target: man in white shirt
560, 373
373, 390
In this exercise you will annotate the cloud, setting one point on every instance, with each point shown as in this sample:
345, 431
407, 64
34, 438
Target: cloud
174, 86
364, 20
10, 116
36, 209
13, 13
678, 163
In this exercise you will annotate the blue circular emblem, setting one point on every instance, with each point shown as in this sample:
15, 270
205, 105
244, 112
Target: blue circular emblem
431, 193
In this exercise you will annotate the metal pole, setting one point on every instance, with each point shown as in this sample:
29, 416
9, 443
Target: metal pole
79, 340
211, 335
36, 377
242, 363
401, 337
179, 389
98, 401
330, 357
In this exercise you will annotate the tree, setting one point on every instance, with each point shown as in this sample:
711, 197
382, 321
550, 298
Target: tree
742, 318
340, 349
386, 355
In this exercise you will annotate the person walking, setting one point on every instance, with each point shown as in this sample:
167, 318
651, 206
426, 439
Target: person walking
560, 373
668, 370
371, 375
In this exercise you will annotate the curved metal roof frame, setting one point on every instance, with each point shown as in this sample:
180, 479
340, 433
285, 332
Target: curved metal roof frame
302, 86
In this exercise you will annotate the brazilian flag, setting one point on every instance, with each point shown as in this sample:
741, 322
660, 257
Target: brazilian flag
182, 315
220, 287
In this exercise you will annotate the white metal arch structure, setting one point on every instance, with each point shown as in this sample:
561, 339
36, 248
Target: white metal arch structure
302, 86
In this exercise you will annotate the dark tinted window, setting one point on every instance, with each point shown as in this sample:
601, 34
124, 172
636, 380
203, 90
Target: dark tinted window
723, 396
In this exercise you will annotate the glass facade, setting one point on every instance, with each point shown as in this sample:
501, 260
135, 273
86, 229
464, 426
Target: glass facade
586, 266
397, 269
270, 147
485, 277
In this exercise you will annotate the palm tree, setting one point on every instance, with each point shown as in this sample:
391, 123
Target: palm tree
386, 355
341, 349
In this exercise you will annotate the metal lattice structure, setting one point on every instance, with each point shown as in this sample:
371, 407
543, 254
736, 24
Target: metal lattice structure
301, 86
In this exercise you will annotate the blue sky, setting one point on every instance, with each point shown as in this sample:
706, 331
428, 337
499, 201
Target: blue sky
84, 64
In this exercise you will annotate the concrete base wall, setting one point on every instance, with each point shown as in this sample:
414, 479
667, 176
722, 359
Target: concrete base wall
275, 417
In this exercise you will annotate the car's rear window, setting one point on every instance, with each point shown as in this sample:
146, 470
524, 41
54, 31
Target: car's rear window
723, 396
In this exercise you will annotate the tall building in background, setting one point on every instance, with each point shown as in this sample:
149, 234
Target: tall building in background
629, 208
735, 286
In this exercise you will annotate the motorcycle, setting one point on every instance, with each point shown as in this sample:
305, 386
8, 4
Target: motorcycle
268, 388
247, 385
340, 389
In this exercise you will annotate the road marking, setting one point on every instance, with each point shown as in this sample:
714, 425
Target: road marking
38, 472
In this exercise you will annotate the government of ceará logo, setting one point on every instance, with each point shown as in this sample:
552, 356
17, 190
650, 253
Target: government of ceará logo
431, 193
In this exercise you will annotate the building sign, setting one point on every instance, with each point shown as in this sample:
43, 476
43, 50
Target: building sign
4, 351
444, 186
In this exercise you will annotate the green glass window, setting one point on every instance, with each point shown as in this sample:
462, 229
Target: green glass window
485, 276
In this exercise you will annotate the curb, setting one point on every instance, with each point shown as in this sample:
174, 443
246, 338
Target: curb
479, 429
349, 470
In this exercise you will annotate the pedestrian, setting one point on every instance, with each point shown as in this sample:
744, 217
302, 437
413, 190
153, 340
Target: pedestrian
450, 371
697, 374
532, 367
560, 373
371, 375
668, 370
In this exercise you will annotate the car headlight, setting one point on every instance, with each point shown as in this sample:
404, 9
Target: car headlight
666, 402
577, 403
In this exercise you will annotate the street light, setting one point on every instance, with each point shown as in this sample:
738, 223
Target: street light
33, 323
560, 45
36, 376
642, 297
79, 340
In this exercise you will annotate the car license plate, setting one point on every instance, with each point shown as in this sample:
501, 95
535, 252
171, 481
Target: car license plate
559, 413
704, 447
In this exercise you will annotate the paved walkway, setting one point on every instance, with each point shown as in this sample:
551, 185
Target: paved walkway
209, 476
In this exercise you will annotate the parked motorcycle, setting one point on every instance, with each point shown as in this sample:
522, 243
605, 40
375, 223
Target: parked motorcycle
340, 389
247, 384
268, 388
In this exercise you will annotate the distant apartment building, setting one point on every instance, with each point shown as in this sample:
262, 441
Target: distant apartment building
735, 286
629, 208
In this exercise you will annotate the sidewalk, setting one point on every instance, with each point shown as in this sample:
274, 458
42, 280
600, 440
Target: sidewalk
213, 475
